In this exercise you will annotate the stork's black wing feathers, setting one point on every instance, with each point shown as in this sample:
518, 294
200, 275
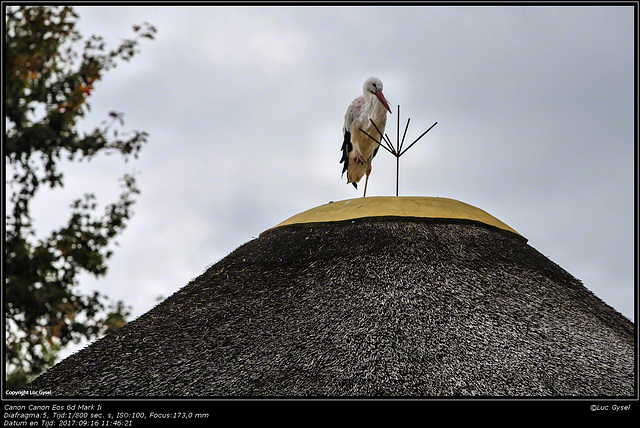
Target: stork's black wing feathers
346, 148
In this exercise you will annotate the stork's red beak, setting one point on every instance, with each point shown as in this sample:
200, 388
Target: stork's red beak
383, 100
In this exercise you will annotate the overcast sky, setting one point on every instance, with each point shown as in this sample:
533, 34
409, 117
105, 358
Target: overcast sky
245, 106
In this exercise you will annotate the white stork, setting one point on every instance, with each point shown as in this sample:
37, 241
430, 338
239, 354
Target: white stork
358, 149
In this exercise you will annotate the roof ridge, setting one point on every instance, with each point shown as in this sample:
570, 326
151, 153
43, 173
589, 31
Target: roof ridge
412, 207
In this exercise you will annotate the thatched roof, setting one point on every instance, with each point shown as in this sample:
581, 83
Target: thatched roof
374, 306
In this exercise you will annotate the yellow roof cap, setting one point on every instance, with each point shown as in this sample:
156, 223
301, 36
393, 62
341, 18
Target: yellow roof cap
394, 206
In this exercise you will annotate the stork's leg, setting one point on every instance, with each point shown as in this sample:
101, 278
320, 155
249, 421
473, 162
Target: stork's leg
366, 181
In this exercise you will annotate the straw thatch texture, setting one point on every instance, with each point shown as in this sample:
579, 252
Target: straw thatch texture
367, 308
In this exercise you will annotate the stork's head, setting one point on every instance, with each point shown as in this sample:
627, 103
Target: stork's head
373, 85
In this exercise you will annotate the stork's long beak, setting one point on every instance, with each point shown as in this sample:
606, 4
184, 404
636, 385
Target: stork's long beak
383, 100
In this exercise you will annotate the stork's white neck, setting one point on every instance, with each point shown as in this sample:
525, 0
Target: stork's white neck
375, 109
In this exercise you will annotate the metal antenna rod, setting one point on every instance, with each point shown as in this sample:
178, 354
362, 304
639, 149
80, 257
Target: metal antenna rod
397, 173
405, 132
390, 149
398, 157
384, 137
396, 151
410, 145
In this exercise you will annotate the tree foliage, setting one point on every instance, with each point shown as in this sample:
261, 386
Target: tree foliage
50, 73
